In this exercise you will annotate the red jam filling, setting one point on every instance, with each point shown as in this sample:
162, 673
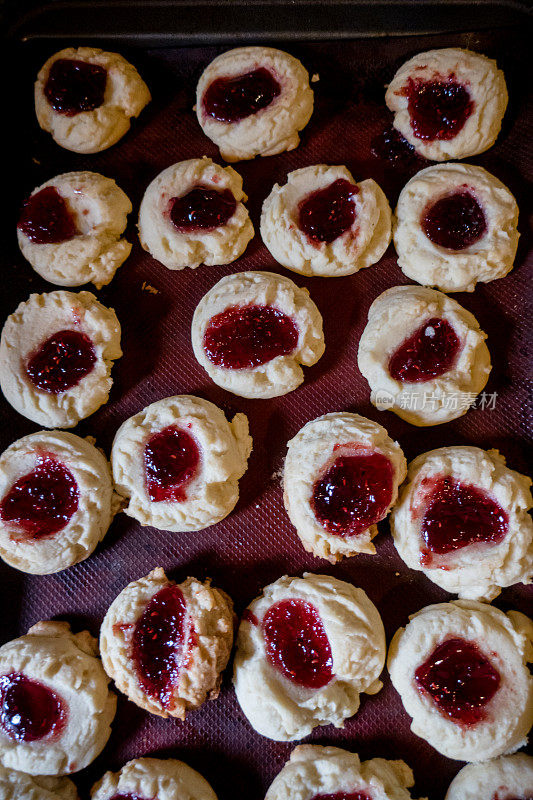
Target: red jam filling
459, 679
431, 351
171, 459
61, 362
158, 644
74, 86
42, 502
30, 711
455, 222
342, 796
46, 219
296, 643
327, 213
438, 108
243, 337
354, 493
233, 99
202, 209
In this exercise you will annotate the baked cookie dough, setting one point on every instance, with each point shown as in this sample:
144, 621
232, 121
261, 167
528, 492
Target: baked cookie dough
17, 785
253, 330
165, 644
56, 501
423, 355
164, 779
329, 772
70, 229
86, 97
254, 101
178, 463
321, 222
461, 671
56, 354
306, 649
455, 225
505, 778
56, 705
448, 103
341, 477
192, 213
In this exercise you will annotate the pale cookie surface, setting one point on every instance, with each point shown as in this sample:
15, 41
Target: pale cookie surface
319, 449
274, 128
201, 624
177, 248
209, 491
91, 131
396, 316
18, 785
164, 779
30, 327
98, 211
67, 665
360, 245
503, 641
340, 623
506, 777
494, 558
465, 79
75, 478
259, 290
485, 217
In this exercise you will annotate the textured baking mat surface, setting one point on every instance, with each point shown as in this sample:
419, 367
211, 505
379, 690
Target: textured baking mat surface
256, 544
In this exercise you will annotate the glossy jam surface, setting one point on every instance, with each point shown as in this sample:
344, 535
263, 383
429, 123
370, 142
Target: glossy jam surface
74, 86
171, 459
202, 209
42, 502
30, 711
354, 493
455, 221
233, 99
158, 643
327, 213
429, 352
243, 337
46, 219
61, 362
342, 796
459, 679
296, 643
438, 108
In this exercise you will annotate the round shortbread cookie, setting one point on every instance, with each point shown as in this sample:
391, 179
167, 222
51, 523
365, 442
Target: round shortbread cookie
56, 677
178, 463
165, 645
505, 778
86, 97
253, 330
164, 779
192, 213
56, 501
341, 477
70, 229
448, 103
455, 225
321, 222
254, 101
56, 354
17, 785
306, 649
461, 671
423, 355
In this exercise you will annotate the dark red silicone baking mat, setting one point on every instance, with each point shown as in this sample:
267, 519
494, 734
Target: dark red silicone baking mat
256, 544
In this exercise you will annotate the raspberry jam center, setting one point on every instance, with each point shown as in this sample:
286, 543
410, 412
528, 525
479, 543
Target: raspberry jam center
342, 796
326, 214
438, 108
61, 362
46, 219
354, 493
244, 337
42, 502
202, 209
30, 711
171, 459
74, 86
233, 99
158, 644
459, 679
455, 221
431, 351
296, 643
